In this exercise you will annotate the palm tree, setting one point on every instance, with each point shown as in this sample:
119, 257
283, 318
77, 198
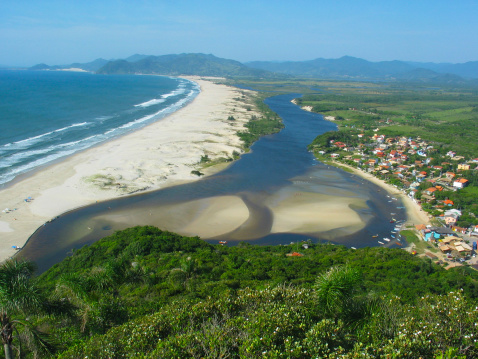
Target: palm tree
94, 295
19, 296
336, 291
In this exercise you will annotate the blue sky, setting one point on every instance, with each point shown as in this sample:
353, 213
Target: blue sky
62, 31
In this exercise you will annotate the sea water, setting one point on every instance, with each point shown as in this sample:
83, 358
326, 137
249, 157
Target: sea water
48, 115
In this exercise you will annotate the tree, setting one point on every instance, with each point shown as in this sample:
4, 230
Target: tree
19, 296
336, 290
94, 295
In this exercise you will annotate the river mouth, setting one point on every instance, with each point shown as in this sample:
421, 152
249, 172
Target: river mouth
276, 194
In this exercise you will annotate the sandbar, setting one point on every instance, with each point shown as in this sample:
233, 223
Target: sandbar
159, 155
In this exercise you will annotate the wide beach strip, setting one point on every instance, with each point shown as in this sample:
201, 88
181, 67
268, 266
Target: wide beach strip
159, 155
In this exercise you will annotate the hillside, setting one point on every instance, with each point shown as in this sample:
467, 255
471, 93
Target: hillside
348, 67
184, 64
189, 298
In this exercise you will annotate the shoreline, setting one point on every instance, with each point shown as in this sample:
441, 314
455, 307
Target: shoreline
415, 215
159, 155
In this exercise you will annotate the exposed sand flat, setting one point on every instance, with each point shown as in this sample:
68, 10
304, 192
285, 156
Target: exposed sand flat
206, 218
219, 216
161, 154
315, 213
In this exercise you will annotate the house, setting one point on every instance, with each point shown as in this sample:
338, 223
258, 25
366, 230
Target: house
460, 183
443, 231
464, 166
462, 247
420, 227
475, 231
450, 239
459, 229
430, 191
445, 248
457, 212
450, 219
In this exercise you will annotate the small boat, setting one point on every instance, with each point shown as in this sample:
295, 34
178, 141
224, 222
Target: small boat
394, 231
398, 243
393, 214
353, 247
381, 242
386, 239
222, 242
375, 236
392, 236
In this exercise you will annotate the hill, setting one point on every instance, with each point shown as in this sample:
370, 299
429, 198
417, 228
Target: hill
183, 64
348, 67
143, 290
92, 66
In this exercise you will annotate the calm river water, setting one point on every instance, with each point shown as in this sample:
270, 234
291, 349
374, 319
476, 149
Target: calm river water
274, 162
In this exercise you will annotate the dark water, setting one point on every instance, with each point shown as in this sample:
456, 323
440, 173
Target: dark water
275, 162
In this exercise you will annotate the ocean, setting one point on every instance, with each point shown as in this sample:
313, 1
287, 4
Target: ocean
48, 115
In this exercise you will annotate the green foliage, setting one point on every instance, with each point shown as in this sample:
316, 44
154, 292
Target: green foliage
282, 322
197, 173
143, 290
204, 159
268, 124
21, 299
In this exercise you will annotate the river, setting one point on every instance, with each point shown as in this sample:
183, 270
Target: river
277, 167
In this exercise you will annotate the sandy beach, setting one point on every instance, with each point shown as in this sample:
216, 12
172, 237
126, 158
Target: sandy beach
159, 155
415, 215
164, 154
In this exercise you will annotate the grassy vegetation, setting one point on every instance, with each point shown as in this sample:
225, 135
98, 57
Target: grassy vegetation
268, 123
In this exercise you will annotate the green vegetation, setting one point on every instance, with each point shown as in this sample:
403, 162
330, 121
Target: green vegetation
143, 292
20, 298
268, 124
445, 116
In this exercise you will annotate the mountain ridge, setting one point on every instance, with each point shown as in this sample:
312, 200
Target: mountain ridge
345, 67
